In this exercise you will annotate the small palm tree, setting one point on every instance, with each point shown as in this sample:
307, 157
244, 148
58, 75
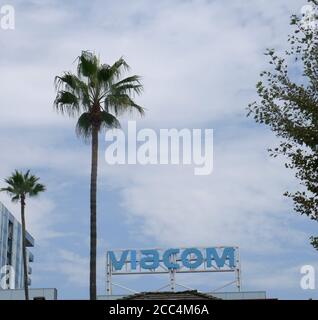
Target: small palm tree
19, 187
97, 94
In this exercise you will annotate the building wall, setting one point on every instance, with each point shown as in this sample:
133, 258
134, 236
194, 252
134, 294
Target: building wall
11, 246
47, 293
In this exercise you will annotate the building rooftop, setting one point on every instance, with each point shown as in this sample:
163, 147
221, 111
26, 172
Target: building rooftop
169, 295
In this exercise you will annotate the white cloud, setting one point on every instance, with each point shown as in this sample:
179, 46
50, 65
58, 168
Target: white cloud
196, 57
240, 203
72, 267
41, 219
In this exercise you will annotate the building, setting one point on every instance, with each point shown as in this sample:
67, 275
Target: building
189, 295
11, 262
34, 294
169, 295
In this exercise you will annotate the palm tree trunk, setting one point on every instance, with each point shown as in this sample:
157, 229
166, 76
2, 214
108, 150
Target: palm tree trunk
93, 235
25, 265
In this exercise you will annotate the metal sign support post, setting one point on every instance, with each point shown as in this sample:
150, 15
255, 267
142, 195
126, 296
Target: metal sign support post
108, 276
238, 271
172, 280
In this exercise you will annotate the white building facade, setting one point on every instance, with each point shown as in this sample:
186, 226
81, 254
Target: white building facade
11, 262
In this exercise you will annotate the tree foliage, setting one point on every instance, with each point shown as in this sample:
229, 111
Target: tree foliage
288, 104
21, 184
97, 93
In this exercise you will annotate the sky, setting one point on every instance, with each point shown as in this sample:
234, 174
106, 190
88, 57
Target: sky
199, 61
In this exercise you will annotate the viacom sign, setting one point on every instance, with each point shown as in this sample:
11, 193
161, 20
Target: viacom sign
210, 259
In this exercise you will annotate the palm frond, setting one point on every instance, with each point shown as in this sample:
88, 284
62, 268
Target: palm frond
16, 198
107, 120
128, 88
118, 68
22, 184
84, 125
8, 190
74, 89
87, 64
121, 103
104, 73
129, 80
67, 81
37, 188
67, 103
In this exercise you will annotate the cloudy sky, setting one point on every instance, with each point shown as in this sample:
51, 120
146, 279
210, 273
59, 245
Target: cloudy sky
199, 61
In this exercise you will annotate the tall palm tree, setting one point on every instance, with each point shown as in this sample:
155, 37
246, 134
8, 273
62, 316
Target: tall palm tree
97, 94
19, 187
